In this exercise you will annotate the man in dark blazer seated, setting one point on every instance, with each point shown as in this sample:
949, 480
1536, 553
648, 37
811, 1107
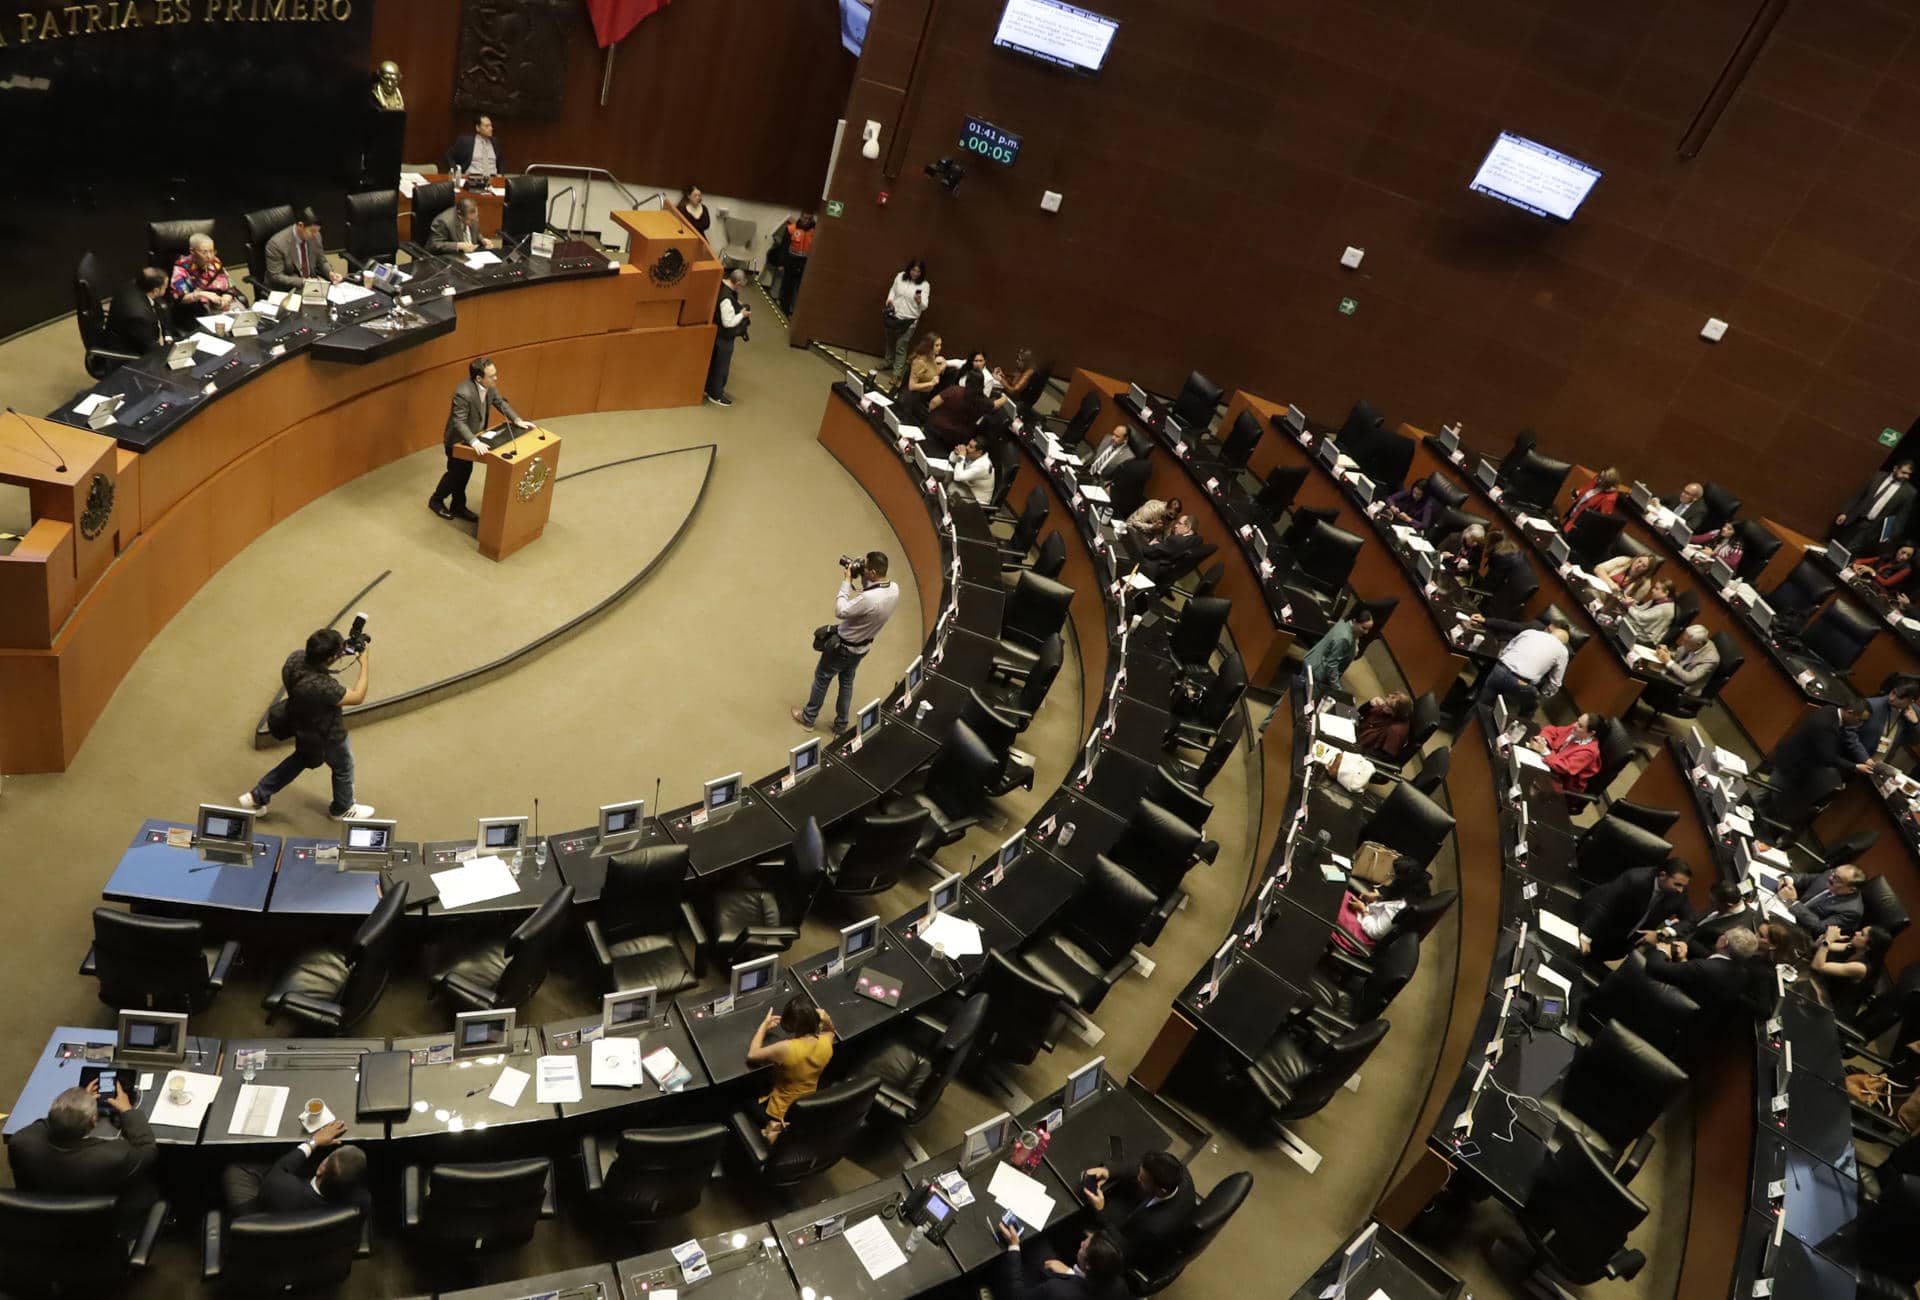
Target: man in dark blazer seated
1689, 506
1893, 719
1633, 906
1878, 512
137, 320
476, 152
457, 230
59, 1154
1098, 1271
318, 1175
1147, 1206
296, 255
465, 423
1727, 981
1730, 911
1826, 739
1160, 562
1819, 899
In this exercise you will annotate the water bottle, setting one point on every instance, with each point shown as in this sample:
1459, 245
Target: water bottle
1066, 834
540, 859
914, 1238
921, 710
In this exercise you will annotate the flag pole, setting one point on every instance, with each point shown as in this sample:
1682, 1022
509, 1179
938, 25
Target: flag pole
606, 79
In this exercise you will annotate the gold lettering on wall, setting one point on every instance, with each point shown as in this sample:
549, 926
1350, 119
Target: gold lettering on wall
59, 22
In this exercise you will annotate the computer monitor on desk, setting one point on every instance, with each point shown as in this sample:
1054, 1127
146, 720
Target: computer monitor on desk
367, 844
719, 795
621, 827
151, 1038
1486, 473
1082, 1085
747, 979
1761, 613
629, 1011
1142, 402
1720, 573
1295, 420
224, 834
1839, 556
1353, 1259
911, 679
856, 941
1010, 850
1558, 549
803, 758
1679, 534
943, 897
984, 1142
1641, 497
866, 723
500, 835
482, 1033
1448, 438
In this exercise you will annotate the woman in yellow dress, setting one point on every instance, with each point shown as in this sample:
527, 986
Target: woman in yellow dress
798, 1059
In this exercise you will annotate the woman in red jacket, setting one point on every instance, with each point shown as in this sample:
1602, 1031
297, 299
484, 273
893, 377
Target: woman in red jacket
1601, 495
1572, 752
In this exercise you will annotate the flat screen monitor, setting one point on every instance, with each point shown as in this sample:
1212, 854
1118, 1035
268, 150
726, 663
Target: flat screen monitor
482, 1033
1839, 556
803, 758
219, 827
721, 791
1064, 35
1720, 573
1679, 534
1328, 453
501, 834
627, 1010
1641, 497
1486, 473
1082, 1084
1222, 963
857, 940
151, 1038
752, 976
1449, 437
869, 719
915, 674
371, 838
1353, 1259
1534, 178
1012, 848
1296, 420
1557, 548
854, 17
984, 1142
622, 818
944, 895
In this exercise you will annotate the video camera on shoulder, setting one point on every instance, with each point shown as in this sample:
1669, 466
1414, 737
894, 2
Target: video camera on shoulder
358, 638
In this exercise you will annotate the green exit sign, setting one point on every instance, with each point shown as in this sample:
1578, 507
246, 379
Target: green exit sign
1888, 437
1348, 306
835, 207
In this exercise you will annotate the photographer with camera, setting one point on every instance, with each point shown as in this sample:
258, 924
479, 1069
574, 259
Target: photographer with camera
843, 645
311, 714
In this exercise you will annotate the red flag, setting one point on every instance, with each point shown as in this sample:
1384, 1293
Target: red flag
613, 19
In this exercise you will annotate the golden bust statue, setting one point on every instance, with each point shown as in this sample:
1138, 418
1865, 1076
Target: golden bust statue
386, 88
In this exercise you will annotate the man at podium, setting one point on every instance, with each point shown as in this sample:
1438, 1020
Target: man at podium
465, 423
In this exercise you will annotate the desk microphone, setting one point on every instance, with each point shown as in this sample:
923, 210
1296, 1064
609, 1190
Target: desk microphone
656, 797
60, 468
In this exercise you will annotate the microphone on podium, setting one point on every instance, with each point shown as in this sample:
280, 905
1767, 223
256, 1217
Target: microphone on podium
61, 466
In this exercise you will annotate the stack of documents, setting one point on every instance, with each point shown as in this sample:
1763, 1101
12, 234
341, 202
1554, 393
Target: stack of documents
475, 882
1022, 1195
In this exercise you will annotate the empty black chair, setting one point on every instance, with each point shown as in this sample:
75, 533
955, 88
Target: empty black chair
102, 354
1237, 448
525, 210
169, 241
1841, 633
1578, 1216
1523, 442
820, 1128
1074, 431
156, 963
1127, 486
1721, 505
476, 1209
1613, 1091
1005, 454
507, 972
1645, 816
1805, 588
1346, 992
1848, 848
917, 1063
1278, 490
1036, 610
1299, 1072
1652, 1009
273, 1254
1304, 521
1433, 772
1024, 1011
1026, 529
1533, 479
1211, 1215
1209, 581
1613, 845
429, 201
332, 989
53, 1244
1023, 699
1325, 556
1410, 824
1195, 405
1170, 791
1757, 546
1592, 536
644, 914
1197, 725
261, 225
955, 795
1050, 558
1383, 455
1093, 944
1449, 494
764, 914
1196, 635
871, 859
647, 1174
1157, 849
373, 227
1200, 775
997, 731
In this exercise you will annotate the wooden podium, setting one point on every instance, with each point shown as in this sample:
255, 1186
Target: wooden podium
520, 479
79, 524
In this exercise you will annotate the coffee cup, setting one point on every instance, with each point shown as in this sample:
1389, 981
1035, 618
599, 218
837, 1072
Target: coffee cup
315, 1109
177, 1089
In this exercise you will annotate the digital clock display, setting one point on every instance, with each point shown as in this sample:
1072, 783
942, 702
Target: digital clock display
989, 141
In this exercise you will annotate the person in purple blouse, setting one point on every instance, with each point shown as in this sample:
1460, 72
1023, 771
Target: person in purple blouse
1414, 506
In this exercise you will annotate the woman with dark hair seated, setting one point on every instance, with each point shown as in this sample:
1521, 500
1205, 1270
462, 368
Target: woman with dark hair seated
798, 1059
1415, 507
1367, 915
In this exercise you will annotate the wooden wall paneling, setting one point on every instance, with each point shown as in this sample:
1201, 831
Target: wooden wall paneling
239, 506
30, 706
569, 378
100, 642
875, 467
126, 508
37, 585
648, 369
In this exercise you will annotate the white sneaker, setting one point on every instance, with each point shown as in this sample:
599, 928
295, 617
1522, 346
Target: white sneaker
359, 812
246, 801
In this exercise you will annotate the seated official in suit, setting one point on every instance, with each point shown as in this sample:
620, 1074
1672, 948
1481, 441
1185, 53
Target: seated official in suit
1892, 721
1691, 660
1098, 1271
58, 1153
1632, 907
1116, 451
1572, 752
1160, 562
1878, 512
1147, 1206
457, 230
1730, 979
1690, 507
1467, 552
1826, 740
296, 255
1819, 899
318, 1175
476, 153
1334, 652
200, 286
466, 421
1650, 617
1730, 911
137, 320
973, 471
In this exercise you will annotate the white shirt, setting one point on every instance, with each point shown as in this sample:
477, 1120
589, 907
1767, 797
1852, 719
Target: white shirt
976, 476
862, 614
730, 315
1537, 657
909, 298
1885, 495
484, 160
1108, 453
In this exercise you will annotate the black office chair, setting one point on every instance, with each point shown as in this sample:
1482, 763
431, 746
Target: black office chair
872, 856
1025, 1012
373, 227
820, 1128
1036, 610
1209, 581
428, 202
1671, 699
643, 1175
1410, 824
1613, 845
917, 1062
54, 1244
1092, 946
1686, 612
1198, 725
1593, 535
1889, 1248
1882, 907
100, 352
1757, 546
1278, 490
1211, 1215
1196, 633
1127, 486
1074, 431
1237, 448
1169, 789
1158, 849
763, 914
1721, 505
1806, 587
1022, 699
1383, 455
155, 962
1005, 455
1434, 769
1299, 1072
997, 731
1646, 816
1449, 494
1841, 633
1578, 1217
278, 1253
644, 914
525, 211
1047, 561
169, 241
1617, 749
1199, 398
1325, 556
1026, 529
1347, 991
1654, 1010
261, 225
459, 1210
1304, 520
330, 989
1533, 479
1613, 1091
955, 796
1199, 775
506, 972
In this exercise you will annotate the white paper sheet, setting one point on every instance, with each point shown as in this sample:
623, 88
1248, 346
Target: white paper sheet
343, 293
940, 466
877, 399
212, 346
959, 936
1558, 927
559, 1079
481, 257
911, 432
409, 180
874, 1247
616, 1063
508, 1087
1336, 726
1094, 492
201, 1089
477, 881
1530, 758
1554, 977
1728, 761
213, 320
1417, 543
90, 403
1139, 582
257, 1110
1024, 1195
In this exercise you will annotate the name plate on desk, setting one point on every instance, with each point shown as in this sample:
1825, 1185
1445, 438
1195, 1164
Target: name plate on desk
541, 245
